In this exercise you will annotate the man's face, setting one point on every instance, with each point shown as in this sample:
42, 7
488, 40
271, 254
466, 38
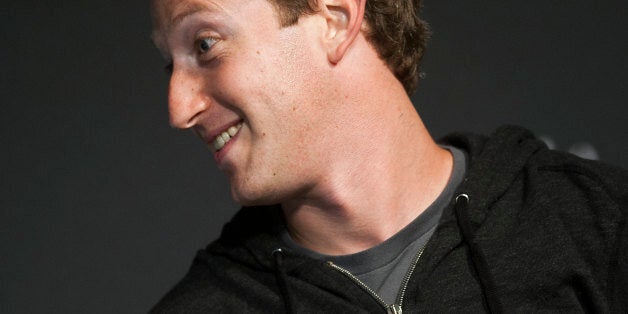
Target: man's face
250, 89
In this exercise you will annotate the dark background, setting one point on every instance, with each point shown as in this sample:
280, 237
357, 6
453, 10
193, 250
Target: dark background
103, 206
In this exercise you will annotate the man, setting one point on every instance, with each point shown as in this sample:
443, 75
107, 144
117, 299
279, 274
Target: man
349, 204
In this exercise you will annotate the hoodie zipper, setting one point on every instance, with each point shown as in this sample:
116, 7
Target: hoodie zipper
395, 308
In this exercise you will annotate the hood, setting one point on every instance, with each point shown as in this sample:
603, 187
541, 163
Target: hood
495, 162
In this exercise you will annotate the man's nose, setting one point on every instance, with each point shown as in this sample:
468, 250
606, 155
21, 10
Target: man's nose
186, 100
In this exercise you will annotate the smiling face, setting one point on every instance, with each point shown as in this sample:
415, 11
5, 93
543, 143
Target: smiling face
251, 89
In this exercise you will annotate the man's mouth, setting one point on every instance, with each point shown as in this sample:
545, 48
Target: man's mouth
223, 138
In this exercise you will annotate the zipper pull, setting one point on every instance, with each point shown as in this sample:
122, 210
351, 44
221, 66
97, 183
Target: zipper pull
394, 309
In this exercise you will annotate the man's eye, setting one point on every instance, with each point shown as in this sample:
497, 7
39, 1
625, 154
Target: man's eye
203, 45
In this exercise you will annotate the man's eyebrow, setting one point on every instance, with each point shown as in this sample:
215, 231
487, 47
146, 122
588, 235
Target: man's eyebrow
189, 10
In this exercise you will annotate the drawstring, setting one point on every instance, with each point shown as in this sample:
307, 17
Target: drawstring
282, 281
489, 289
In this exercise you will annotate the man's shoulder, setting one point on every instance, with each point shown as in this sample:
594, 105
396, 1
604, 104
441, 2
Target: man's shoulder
234, 272
516, 173
595, 177
196, 292
217, 283
511, 152
576, 190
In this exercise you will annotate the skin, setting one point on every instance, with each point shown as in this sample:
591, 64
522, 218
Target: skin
327, 130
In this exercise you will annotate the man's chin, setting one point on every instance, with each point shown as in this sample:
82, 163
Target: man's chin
249, 198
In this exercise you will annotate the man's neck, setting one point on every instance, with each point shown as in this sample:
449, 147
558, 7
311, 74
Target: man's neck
360, 202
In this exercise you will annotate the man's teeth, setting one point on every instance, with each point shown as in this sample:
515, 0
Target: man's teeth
224, 137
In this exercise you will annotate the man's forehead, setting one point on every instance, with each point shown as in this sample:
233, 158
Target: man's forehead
168, 13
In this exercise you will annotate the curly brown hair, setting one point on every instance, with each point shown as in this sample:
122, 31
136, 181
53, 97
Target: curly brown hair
394, 28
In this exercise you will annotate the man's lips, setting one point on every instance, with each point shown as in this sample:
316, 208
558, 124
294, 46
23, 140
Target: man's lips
221, 138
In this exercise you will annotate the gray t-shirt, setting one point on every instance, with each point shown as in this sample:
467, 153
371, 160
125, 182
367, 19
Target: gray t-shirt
383, 267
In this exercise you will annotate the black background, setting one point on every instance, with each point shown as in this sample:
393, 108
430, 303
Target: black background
103, 205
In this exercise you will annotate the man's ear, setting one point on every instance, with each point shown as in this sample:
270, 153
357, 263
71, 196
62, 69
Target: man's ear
344, 23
